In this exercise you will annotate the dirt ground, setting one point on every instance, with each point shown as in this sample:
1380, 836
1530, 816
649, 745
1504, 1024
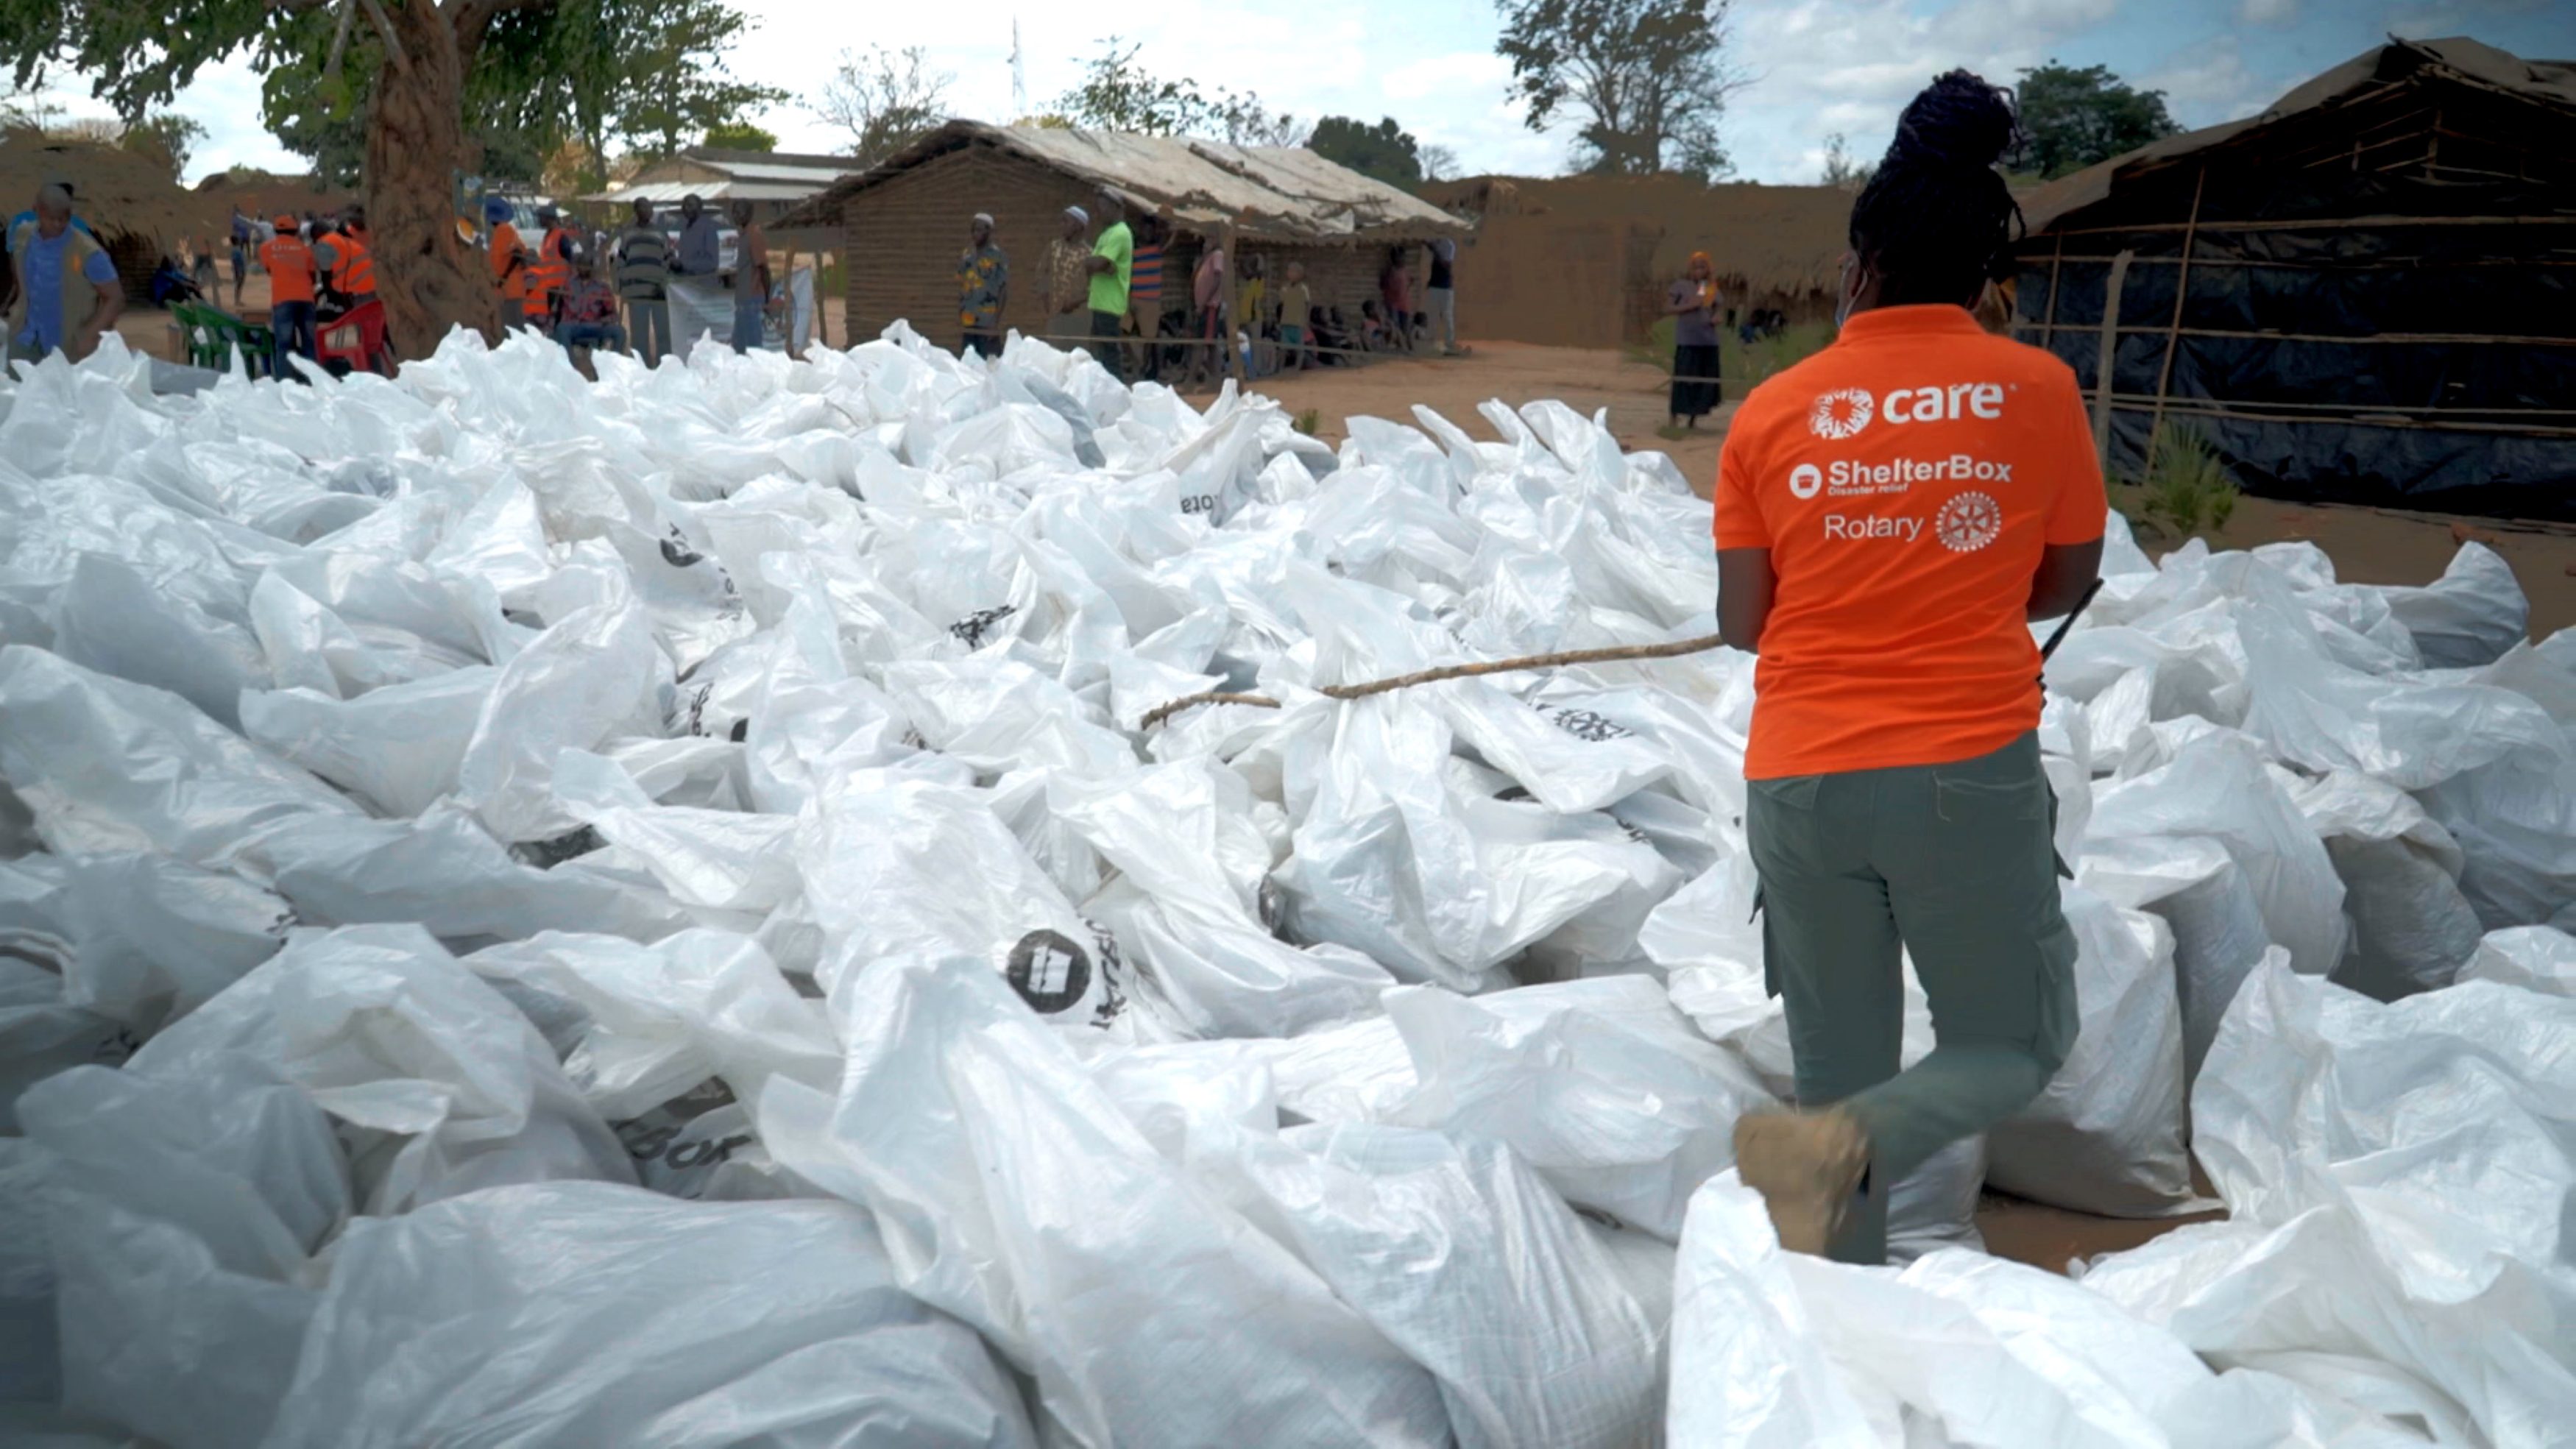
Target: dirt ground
2368, 545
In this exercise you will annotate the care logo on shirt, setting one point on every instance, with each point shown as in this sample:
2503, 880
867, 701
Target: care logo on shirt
1845, 411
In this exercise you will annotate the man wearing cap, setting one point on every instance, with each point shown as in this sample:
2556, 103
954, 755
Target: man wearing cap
983, 288
290, 295
1067, 282
67, 295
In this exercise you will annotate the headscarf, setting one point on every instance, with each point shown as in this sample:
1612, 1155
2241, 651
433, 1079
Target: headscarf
496, 211
1078, 214
1700, 259
984, 219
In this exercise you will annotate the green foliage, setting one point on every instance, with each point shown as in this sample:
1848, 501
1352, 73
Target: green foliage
2186, 490
168, 138
2071, 118
1647, 80
1745, 368
1308, 421
1841, 170
648, 73
1117, 94
1386, 150
1657, 350
739, 136
886, 100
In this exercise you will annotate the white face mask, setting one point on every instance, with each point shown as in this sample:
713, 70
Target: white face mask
1847, 291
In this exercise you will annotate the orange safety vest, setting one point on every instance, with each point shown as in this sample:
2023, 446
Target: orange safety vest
508, 267
290, 268
553, 271
356, 274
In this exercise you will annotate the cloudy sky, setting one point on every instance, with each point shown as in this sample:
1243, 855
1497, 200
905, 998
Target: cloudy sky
1813, 66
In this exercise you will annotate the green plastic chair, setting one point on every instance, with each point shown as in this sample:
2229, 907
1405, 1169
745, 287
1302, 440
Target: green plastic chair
205, 347
258, 345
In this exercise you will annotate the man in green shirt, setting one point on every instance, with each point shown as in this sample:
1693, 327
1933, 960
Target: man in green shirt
1113, 257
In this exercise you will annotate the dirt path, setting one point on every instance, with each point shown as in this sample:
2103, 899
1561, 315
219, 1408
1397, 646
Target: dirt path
2367, 545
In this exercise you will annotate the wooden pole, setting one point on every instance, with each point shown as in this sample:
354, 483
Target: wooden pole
1230, 360
2106, 359
2056, 259
2173, 329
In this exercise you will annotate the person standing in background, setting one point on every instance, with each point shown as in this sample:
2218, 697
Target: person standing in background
1692, 303
749, 279
289, 263
1395, 295
550, 276
701, 250
983, 288
61, 273
1145, 296
1112, 264
1068, 282
643, 283
509, 260
1251, 310
202, 264
1208, 285
1296, 304
1441, 296
241, 253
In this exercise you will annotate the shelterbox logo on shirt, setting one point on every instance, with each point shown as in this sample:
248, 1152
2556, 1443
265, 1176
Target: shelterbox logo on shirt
1845, 411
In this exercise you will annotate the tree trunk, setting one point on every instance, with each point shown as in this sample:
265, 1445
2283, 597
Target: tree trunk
430, 282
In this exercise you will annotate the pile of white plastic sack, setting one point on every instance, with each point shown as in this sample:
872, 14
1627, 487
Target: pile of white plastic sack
538, 913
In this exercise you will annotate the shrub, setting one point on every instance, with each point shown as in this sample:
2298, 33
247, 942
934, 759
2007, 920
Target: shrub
2186, 490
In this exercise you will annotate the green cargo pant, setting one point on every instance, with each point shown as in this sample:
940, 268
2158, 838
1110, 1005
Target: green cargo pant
1954, 864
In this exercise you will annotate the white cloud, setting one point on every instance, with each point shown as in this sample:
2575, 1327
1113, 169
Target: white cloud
2212, 85
2266, 12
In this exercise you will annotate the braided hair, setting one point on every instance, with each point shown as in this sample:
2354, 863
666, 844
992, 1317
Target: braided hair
1936, 222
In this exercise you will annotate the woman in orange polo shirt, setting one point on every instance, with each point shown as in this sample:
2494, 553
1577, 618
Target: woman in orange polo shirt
1892, 514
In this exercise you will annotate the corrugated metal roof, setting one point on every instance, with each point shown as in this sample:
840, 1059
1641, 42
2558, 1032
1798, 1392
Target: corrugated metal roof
1269, 193
2460, 59
661, 191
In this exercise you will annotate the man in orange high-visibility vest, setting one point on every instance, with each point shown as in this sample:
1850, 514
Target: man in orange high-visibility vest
290, 295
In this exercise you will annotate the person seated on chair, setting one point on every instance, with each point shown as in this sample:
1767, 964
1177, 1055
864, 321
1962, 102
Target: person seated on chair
590, 312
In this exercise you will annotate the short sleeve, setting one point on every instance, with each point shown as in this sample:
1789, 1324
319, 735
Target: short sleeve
2081, 505
1739, 517
100, 268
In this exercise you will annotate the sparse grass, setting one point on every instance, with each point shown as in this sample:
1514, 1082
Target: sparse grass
1740, 367
2186, 490
1308, 421
1745, 368
1657, 350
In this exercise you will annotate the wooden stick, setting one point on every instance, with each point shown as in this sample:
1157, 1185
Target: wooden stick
2173, 329
1161, 713
2106, 360
1611, 655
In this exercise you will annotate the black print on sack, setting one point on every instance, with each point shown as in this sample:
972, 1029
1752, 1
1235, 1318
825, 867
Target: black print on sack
676, 551
1112, 966
1049, 971
975, 627
1583, 724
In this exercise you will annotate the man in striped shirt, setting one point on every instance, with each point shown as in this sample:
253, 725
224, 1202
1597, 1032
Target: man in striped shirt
643, 279
1145, 294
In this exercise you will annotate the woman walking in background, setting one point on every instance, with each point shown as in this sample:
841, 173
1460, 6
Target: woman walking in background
1692, 304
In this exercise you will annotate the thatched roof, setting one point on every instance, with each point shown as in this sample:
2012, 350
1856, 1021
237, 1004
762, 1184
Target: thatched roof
120, 194
1268, 193
1785, 240
263, 193
2460, 61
